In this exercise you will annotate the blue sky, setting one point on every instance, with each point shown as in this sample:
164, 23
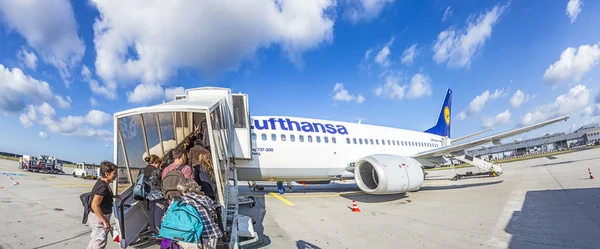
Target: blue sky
67, 66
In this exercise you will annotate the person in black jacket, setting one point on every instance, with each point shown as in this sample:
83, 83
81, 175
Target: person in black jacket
157, 205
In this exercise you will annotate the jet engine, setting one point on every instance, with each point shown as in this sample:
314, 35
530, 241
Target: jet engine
388, 174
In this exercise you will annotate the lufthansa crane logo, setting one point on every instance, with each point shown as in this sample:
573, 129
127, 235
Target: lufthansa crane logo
447, 115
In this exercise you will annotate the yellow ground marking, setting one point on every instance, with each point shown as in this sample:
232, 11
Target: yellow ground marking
282, 199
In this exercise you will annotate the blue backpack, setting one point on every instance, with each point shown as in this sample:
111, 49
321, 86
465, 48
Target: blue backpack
182, 222
141, 189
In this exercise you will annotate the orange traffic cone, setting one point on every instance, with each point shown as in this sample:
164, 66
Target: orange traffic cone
591, 176
355, 207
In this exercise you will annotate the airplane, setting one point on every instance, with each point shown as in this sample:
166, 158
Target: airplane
382, 160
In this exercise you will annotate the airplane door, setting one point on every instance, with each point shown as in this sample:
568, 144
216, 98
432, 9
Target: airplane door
131, 215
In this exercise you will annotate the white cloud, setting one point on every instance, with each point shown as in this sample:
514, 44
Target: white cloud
97, 118
587, 111
497, 94
93, 102
77, 126
16, 89
43, 135
564, 104
391, 89
51, 31
408, 56
519, 98
478, 103
592, 110
447, 14
108, 90
144, 93
62, 103
171, 92
364, 63
366, 10
459, 48
573, 64
573, 9
382, 57
499, 119
28, 117
420, 85
28, 58
341, 94
150, 43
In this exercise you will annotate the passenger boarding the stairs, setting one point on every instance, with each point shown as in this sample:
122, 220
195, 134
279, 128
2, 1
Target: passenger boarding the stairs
157, 205
101, 206
175, 173
205, 207
203, 169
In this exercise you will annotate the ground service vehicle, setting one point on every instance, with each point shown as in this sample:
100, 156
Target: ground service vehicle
85, 171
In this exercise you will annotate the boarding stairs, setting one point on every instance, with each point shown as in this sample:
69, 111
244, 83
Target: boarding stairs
488, 168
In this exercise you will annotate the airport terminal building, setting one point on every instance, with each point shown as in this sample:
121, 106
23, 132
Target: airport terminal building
585, 135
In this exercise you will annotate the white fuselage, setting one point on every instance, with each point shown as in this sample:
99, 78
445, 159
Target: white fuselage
296, 149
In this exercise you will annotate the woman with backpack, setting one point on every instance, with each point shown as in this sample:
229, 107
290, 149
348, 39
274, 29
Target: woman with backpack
173, 222
157, 205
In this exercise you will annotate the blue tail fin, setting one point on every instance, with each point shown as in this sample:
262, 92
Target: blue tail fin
442, 127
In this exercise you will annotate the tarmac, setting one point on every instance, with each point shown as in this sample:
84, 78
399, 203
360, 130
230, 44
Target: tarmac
547, 202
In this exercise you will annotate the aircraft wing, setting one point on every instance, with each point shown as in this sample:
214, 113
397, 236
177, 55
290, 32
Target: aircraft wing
454, 148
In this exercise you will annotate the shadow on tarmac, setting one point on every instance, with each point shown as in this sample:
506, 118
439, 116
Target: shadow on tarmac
557, 219
301, 244
469, 185
563, 162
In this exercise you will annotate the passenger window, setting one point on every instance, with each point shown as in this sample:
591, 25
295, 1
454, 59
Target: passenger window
273, 137
301, 138
393, 142
292, 138
318, 139
309, 138
402, 143
377, 141
333, 140
366, 141
397, 142
354, 140
283, 137
360, 140
253, 136
348, 140
389, 143
263, 136
326, 139
372, 141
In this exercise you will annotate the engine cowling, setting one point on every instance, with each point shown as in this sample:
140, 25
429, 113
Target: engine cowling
388, 174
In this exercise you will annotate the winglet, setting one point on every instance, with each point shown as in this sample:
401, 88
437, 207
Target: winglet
442, 127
